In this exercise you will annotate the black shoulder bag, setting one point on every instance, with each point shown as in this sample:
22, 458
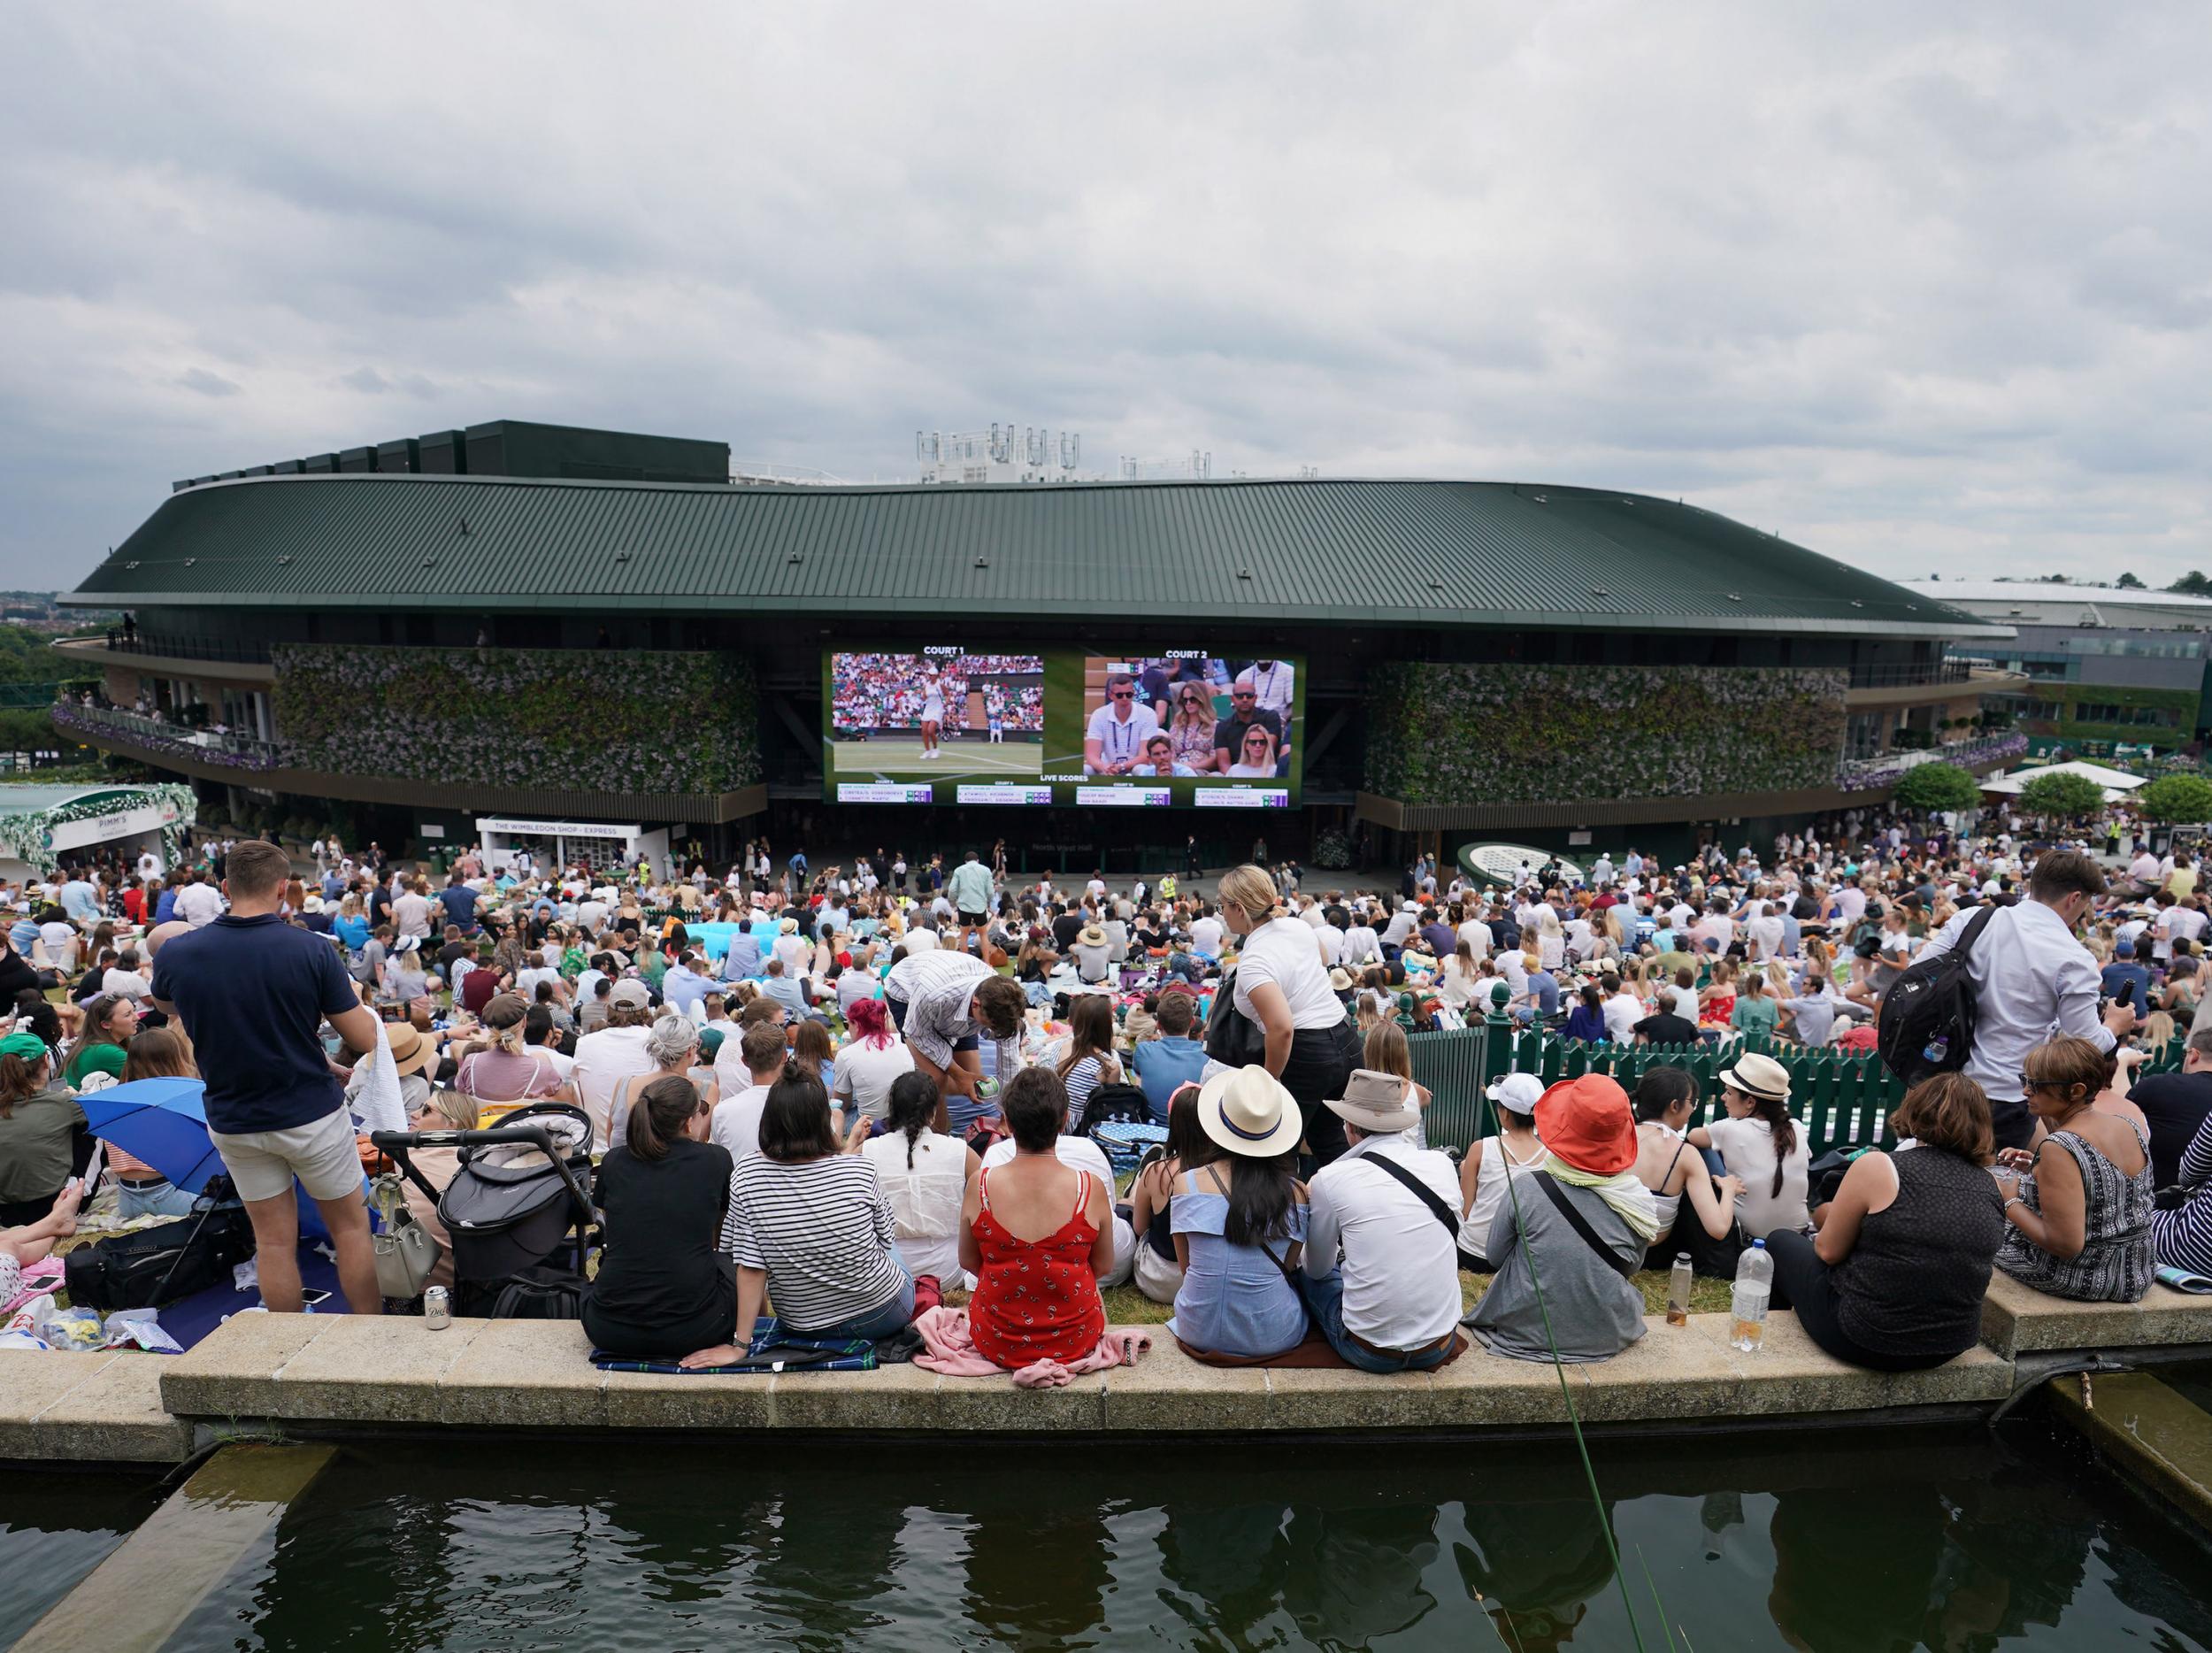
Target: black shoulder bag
1625, 1267
1427, 1195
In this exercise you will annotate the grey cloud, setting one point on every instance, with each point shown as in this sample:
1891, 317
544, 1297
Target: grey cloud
1906, 285
202, 382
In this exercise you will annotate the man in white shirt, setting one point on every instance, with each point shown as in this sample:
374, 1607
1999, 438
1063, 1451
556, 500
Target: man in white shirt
2031, 975
1272, 685
1622, 1010
743, 1070
1205, 933
1763, 935
1361, 945
1401, 926
605, 1058
1114, 743
1331, 941
1382, 1271
199, 904
124, 980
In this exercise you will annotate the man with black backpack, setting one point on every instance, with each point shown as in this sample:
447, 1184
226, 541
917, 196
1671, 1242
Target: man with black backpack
2030, 977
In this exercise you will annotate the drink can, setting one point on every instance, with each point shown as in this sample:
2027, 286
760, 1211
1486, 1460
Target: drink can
437, 1309
986, 1089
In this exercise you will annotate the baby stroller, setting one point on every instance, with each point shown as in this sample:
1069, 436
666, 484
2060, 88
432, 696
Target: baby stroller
519, 1209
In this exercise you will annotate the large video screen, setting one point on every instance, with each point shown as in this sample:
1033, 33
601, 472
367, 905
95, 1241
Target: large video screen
1147, 728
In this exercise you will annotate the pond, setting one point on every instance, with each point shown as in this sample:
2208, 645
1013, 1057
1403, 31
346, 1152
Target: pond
1825, 1541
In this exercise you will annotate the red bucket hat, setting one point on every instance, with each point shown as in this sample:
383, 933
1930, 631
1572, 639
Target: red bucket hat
1587, 1123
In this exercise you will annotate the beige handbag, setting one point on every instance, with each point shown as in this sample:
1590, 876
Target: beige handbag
405, 1252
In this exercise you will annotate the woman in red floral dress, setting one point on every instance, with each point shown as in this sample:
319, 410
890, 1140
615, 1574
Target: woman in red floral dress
1037, 1235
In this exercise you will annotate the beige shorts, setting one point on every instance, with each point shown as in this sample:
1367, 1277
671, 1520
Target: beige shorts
321, 1154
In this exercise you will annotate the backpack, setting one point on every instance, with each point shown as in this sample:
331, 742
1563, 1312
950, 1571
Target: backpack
152, 1268
1926, 1022
1117, 1100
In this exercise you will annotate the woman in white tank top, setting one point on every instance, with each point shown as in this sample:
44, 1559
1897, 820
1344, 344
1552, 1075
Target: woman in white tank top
1483, 1173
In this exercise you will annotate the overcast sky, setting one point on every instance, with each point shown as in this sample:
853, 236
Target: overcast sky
1925, 289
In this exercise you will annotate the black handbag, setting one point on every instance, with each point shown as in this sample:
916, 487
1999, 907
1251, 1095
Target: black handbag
1232, 1038
153, 1267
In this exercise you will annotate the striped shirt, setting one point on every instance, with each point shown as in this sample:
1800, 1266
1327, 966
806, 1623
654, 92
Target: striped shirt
2182, 1238
821, 1230
938, 986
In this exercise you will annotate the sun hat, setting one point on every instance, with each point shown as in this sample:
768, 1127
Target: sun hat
1339, 981
632, 994
788, 927
1520, 1092
412, 1052
1092, 936
1587, 1123
1760, 1076
1378, 1104
1247, 1110
314, 904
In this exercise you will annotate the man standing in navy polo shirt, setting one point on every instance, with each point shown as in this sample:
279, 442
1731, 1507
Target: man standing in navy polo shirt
253, 993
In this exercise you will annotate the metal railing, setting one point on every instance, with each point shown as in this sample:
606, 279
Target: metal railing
154, 734
1909, 674
1843, 1098
187, 648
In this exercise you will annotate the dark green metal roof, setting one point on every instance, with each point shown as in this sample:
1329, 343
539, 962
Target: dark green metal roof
1413, 552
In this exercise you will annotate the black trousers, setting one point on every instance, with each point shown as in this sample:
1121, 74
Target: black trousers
1321, 1060
2011, 1125
1804, 1283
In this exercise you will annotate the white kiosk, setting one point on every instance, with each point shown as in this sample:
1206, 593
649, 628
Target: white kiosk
602, 846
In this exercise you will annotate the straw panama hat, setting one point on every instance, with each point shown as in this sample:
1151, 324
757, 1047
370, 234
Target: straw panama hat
411, 1052
1092, 936
1247, 1110
1378, 1104
1760, 1076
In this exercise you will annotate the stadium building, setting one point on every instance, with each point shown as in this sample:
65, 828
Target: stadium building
589, 642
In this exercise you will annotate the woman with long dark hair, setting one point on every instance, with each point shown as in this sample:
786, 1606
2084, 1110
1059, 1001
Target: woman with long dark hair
1761, 1145
809, 1229
1240, 1220
925, 1175
1087, 1060
1159, 1265
663, 1290
109, 1023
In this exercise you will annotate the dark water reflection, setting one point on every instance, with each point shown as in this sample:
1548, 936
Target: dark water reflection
1836, 1544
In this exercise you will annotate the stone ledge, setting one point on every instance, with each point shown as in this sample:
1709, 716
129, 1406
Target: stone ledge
99, 1408
2017, 1318
532, 1374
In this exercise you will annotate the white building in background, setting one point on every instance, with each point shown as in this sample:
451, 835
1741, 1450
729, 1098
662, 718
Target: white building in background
1002, 454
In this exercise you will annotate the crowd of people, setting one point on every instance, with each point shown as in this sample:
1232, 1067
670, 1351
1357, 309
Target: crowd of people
817, 1094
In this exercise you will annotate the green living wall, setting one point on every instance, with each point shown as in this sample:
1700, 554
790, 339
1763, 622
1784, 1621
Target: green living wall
609, 721
1502, 734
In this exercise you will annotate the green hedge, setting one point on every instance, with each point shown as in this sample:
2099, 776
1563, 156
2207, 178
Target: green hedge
612, 721
1502, 734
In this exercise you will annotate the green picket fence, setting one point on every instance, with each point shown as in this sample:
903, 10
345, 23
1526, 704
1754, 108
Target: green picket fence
1843, 1098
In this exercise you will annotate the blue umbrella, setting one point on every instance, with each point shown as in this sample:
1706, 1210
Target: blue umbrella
160, 1121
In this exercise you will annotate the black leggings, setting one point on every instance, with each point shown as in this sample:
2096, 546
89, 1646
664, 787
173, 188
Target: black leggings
1806, 1284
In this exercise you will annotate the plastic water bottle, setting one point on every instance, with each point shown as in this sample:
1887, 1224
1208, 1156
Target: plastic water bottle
1678, 1290
1748, 1306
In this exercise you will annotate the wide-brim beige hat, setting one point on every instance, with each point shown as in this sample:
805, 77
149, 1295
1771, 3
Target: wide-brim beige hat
1246, 1111
1760, 1076
1092, 936
1377, 1103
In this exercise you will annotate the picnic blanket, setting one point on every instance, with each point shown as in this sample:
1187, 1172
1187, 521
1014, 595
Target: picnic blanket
952, 1353
772, 1349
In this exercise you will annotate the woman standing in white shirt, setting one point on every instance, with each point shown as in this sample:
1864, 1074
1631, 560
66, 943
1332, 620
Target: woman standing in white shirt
925, 1175
1283, 991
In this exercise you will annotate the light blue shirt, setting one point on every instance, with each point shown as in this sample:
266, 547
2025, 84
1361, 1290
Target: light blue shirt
686, 989
78, 901
1233, 1300
1163, 1065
